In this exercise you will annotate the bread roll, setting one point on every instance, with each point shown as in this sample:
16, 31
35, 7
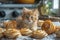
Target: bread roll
1, 32
48, 26
57, 32
10, 24
12, 33
25, 31
39, 34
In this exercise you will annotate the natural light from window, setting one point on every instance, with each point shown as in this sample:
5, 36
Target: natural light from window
55, 4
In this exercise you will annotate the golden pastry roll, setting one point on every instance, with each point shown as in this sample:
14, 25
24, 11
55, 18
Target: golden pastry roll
25, 31
48, 26
2, 32
39, 34
12, 33
57, 32
10, 24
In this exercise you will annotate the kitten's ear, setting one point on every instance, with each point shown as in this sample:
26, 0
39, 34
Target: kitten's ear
25, 10
35, 11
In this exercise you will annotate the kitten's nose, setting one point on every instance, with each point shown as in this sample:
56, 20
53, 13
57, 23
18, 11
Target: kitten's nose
29, 21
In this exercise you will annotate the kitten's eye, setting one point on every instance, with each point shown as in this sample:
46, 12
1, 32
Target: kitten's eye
31, 17
27, 16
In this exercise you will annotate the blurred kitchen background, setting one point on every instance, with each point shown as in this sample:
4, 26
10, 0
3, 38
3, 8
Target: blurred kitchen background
10, 9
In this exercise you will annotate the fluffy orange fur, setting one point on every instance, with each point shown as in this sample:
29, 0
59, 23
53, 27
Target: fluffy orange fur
28, 19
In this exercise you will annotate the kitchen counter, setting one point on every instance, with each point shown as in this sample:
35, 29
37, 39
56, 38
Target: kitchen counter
50, 37
49, 18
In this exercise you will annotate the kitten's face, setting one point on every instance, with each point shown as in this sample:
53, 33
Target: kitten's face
30, 15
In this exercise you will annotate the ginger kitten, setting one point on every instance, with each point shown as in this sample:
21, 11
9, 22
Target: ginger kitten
28, 19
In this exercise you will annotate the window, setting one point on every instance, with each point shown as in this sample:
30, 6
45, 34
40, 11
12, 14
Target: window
55, 4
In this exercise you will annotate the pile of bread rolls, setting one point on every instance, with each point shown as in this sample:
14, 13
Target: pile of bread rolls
11, 31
